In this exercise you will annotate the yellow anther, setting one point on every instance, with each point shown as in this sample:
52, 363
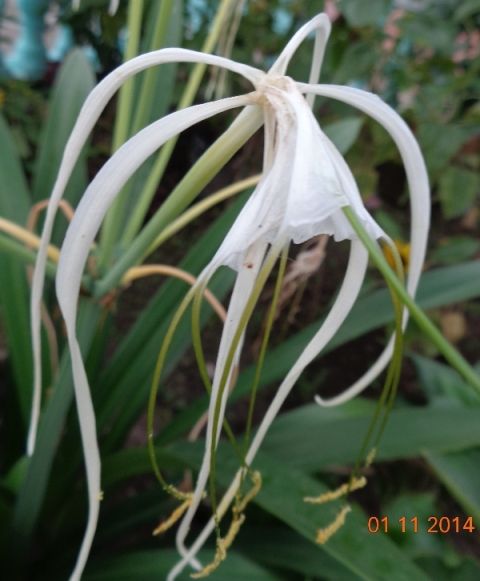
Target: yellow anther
220, 555
342, 490
100, 495
178, 494
173, 518
235, 525
324, 534
370, 457
241, 504
222, 547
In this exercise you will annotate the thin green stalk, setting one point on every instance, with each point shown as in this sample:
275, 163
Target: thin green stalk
263, 348
155, 385
115, 217
262, 277
147, 92
387, 397
14, 248
194, 181
199, 208
456, 360
202, 365
141, 207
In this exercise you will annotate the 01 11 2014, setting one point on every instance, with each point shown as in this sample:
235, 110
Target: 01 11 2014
433, 524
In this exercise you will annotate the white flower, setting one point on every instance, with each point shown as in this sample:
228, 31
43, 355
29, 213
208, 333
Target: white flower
304, 187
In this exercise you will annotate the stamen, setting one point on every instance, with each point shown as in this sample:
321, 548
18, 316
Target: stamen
242, 503
370, 457
222, 547
173, 518
355, 484
324, 534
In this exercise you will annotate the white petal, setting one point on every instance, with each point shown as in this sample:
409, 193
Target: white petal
107, 184
320, 24
419, 199
75, 249
113, 7
241, 292
346, 297
89, 114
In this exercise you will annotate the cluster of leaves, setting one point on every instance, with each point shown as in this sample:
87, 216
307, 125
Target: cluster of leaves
41, 500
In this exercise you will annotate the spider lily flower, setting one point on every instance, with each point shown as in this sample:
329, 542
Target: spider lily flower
305, 185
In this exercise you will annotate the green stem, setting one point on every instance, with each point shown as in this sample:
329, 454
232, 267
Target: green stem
141, 207
262, 277
147, 92
455, 359
116, 215
211, 162
14, 248
263, 348
156, 383
202, 364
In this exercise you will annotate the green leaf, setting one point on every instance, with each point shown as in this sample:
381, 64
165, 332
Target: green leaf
33, 487
460, 473
277, 546
75, 80
344, 133
128, 375
454, 250
312, 438
437, 379
359, 14
14, 291
440, 143
415, 543
466, 9
438, 287
458, 189
155, 565
365, 555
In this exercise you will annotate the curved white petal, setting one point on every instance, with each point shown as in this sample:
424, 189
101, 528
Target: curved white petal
113, 7
79, 237
241, 293
89, 114
347, 296
321, 24
419, 200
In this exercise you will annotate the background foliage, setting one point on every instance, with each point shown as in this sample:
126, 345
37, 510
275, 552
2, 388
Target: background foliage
422, 58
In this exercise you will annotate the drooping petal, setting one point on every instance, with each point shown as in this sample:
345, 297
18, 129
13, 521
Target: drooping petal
419, 199
322, 26
80, 235
346, 298
113, 7
89, 114
242, 289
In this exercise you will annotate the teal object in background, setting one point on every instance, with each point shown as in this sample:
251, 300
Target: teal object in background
2, 66
64, 42
28, 58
